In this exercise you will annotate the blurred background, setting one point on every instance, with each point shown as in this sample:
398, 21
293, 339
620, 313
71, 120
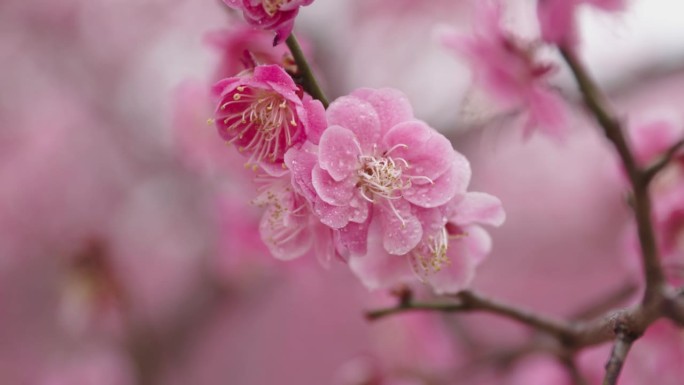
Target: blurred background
129, 251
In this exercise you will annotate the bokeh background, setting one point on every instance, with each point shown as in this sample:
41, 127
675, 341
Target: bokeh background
129, 253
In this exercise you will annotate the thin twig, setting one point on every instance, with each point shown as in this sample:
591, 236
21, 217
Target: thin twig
623, 343
651, 171
595, 102
471, 301
304, 71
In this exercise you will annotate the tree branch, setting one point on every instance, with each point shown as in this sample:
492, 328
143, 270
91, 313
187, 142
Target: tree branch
651, 171
469, 301
308, 79
595, 102
623, 343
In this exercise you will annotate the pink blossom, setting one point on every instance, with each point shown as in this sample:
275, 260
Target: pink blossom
374, 162
557, 18
452, 246
243, 47
507, 70
263, 114
288, 227
272, 15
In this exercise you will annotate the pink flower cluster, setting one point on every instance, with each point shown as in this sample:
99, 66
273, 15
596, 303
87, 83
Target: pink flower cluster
271, 15
363, 181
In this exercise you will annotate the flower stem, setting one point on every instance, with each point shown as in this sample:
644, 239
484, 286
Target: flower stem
307, 77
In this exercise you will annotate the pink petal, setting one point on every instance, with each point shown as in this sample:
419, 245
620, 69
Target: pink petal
465, 255
480, 208
392, 106
331, 191
301, 162
285, 240
357, 116
315, 119
378, 269
352, 239
447, 186
338, 152
557, 21
400, 235
548, 112
428, 153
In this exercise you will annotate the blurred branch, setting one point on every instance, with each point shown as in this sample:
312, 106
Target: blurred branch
623, 343
651, 171
308, 79
469, 301
596, 103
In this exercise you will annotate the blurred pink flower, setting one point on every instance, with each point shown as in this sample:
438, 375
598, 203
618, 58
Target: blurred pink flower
507, 69
263, 114
242, 47
288, 227
557, 18
272, 15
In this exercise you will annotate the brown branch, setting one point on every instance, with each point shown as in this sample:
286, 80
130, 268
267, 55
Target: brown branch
623, 343
651, 171
469, 301
596, 103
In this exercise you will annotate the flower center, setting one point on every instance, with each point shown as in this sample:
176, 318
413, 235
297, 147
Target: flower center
431, 257
265, 117
273, 6
381, 176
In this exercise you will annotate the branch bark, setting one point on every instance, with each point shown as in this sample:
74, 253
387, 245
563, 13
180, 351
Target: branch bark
308, 79
597, 105
623, 343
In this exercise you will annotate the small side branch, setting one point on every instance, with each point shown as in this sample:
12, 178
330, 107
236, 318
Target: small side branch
307, 77
653, 170
469, 301
623, 343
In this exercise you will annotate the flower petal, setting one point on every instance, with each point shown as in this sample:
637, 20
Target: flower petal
391, 105
480, 208
331, 191
401, 229
301, 162
338, 152
357, 116
378, 269
446, 187
465, 255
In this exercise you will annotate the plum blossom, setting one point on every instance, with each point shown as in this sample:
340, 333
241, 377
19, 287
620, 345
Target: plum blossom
452, 246
288, 227
557, 18
375, 162
264, 114
272, 15
506, 68
242, 47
